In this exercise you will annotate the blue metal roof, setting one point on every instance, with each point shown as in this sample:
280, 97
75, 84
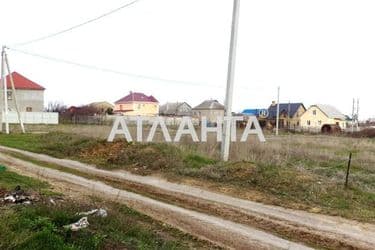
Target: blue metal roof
256, 112
285, 108
251, 112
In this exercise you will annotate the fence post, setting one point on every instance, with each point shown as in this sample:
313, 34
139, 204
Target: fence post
348, 170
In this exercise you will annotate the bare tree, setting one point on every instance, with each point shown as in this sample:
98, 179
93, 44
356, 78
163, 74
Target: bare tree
56, 107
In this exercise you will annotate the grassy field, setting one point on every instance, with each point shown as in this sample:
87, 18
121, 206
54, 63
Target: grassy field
293, 170
40, 225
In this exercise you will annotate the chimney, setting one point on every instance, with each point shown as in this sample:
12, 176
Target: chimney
273, 103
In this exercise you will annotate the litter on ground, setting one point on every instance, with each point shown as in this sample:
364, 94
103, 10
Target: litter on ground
82, 223
52, 201
18, 196
97, 212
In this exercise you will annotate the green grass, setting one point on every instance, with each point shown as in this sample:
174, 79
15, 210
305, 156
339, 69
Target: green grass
40, 225
307, 173
9, 180
146, 157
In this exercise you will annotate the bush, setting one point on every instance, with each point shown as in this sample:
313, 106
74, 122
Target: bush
366, 133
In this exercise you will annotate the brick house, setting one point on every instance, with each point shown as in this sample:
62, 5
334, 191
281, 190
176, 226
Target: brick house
137, 104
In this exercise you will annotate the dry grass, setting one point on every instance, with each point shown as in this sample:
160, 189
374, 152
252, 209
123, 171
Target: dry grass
318, 154
307, 170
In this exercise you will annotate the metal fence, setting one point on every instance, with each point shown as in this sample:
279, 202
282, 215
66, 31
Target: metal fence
108, 120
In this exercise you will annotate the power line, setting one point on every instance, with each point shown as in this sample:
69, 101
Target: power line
77, 25
93, 67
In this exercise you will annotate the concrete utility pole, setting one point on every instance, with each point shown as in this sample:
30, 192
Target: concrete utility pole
4, 84
357, 116
278, 111
353, 115
288, 116
14, 92
5, 67
225, 146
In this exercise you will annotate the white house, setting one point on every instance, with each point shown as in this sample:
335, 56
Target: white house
30, 95
30, 100
324, 118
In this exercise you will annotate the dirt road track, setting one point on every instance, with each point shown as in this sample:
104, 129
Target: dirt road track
328, 231
217, 230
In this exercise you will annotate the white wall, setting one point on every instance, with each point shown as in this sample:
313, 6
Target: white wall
33, 99
33, 117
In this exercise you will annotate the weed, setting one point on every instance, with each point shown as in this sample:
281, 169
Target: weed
40, 226
292, 169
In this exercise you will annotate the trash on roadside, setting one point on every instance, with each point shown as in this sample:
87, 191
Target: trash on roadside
102, 213
18, 196
97, 212
82, 223
52, 201
9, 198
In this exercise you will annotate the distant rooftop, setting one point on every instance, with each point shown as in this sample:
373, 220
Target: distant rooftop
255, 112
172, 108
287, 108
210, 105
331, 111
137, 97
21, 82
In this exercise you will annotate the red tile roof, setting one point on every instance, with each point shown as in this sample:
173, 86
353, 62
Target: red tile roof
137, 97
21, 82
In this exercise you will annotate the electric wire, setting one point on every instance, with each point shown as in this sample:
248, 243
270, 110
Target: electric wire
93, 67
76, 26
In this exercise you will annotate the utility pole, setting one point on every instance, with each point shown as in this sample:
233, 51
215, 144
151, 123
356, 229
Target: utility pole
278, 111
289, 116
225, 146
14, 92
4, 84
357, 116
353, 118
5, 67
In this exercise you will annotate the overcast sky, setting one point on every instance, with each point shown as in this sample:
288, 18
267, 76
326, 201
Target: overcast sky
320, 51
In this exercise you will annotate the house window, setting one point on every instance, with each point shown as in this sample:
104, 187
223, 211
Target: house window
29, 109
120, 107
139, 106
314, 112
9, 95
308, 123
320, 122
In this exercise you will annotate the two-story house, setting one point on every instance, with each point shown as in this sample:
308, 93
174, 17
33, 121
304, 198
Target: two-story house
30, 95
137, 104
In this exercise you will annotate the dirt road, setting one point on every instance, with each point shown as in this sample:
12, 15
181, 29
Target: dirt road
327, 231
222, 232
